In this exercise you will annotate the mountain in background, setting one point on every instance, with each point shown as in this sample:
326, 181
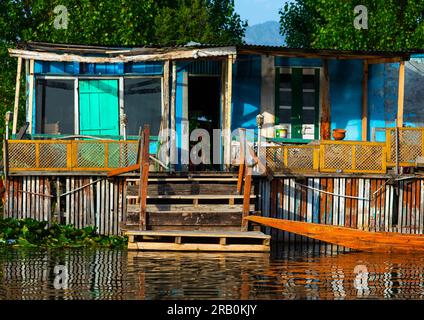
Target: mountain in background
267, 33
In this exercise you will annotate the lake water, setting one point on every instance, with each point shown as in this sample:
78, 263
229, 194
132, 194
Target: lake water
302, 272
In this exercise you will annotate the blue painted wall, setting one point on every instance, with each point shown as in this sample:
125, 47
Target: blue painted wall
297, 62
246, 100
346, 96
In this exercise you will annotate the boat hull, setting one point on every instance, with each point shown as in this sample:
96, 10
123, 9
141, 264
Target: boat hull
348, 237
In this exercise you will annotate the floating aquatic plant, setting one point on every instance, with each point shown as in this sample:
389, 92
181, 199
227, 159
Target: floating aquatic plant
32, 233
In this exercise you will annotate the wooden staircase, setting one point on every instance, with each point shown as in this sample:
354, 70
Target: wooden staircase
187, 212
190, 213
193, 202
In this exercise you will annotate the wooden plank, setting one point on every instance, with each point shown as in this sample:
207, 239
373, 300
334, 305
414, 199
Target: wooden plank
421, 211
206, 234
155, 246
144, 175
31, 96
107, 207
365, 101
242, 138
366, 214
360, 223
401, 90
194, 219
174, 54
165, 106
309, 201
185, 189
336, 200
119, 171
98, 205
173, 107
17, 94
246, 197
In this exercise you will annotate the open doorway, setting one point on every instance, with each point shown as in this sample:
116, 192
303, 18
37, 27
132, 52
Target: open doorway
204, 111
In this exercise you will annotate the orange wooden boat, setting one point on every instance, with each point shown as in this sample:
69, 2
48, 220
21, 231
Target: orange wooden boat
348, 237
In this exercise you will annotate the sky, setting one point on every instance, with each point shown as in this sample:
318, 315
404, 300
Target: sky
258, 11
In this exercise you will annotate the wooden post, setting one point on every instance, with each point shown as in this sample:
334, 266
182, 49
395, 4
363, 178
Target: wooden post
227, 118
165, 111
242, 138
325, 103
144, 176
173, 111
401, 87
246, 197
365, 102
31, 96
17, 92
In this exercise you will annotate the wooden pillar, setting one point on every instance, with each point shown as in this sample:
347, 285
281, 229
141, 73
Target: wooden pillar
325, 126
365, 101
17, 93
401, 87
31, 96
227, 118
172, 114
165, 106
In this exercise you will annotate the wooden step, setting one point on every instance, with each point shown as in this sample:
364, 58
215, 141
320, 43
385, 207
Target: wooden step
173, 240
184, 189
190, 208
166, 180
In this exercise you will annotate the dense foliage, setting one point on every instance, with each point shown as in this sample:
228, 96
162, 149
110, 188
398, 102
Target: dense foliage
32, 233
392, 24
111, 22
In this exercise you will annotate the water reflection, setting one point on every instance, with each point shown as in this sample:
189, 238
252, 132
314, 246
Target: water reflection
301, 272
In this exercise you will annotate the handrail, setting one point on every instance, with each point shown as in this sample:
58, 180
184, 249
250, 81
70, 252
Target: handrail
144, 175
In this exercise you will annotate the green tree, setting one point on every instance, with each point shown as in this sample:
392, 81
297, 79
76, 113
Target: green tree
392, 24
113, 23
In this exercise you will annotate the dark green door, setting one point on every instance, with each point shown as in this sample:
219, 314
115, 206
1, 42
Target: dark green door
297, 101
99, 107
296, 114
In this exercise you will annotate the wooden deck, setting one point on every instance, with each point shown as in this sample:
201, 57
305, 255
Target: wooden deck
178, 240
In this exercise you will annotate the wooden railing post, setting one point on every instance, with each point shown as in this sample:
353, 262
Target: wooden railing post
242, 138
144, 175
246, 197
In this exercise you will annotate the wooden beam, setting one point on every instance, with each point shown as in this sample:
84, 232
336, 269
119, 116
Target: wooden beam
165, 111
365, 101
385, 60
401, 88
246, 197
17, 93
181, 54
173, 148
144, 176
325, 126
31, 96
242, 138
119, 171
228, 100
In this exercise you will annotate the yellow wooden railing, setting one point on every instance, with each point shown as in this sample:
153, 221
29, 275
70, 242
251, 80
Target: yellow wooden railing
70, 155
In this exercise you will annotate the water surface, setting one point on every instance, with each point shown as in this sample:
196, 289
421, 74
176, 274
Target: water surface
302, 272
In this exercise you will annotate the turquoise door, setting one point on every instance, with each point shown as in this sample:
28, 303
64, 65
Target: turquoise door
99, 107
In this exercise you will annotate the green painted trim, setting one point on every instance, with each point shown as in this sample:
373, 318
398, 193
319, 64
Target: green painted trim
104, 137
287, 140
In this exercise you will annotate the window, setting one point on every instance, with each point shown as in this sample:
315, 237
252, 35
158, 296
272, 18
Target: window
55, 106
143, 104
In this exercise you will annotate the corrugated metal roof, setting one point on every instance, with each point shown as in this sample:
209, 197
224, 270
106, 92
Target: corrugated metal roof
113, 51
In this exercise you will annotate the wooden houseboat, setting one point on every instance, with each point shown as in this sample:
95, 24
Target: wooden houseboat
85, 106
